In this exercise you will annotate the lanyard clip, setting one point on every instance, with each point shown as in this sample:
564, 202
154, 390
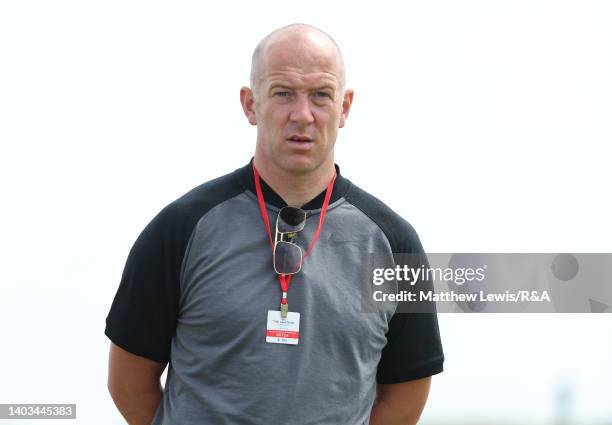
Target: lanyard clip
284, 307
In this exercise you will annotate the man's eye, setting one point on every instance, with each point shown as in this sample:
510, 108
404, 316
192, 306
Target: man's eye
322, 94
281, 93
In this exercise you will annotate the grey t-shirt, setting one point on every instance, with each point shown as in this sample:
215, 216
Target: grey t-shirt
198, 284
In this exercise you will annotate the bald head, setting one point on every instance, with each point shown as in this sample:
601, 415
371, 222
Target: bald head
304, 42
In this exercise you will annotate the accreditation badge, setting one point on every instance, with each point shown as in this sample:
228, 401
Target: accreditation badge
283, 331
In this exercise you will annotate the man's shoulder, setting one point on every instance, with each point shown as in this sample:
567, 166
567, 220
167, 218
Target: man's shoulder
400, 233
187, 209
209, 194
205, 196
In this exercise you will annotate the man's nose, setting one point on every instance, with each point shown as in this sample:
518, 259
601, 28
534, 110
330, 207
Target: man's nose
302, 111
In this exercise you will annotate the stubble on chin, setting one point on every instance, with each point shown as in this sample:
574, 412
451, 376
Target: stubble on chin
302, 166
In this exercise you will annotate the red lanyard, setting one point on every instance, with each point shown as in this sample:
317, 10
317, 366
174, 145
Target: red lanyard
285, 280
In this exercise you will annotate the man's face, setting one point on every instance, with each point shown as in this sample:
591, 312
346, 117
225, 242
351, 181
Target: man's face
299, 105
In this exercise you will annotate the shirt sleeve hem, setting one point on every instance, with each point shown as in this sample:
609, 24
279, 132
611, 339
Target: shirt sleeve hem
431, 368
122, 340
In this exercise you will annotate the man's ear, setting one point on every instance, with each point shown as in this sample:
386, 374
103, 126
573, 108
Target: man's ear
347, 101
248, 102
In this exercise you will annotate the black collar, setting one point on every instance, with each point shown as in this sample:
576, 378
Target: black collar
245, 176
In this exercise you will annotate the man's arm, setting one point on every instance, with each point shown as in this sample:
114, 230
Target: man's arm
400, 404
134, 385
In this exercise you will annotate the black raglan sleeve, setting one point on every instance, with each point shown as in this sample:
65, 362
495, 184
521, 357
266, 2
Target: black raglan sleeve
144, 312
414, 347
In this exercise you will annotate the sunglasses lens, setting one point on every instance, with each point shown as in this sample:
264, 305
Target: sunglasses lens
287, 258
291, 220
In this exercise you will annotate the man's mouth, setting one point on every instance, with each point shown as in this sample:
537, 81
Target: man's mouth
296, 138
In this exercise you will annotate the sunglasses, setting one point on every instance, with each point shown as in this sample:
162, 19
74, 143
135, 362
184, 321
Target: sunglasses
287, 255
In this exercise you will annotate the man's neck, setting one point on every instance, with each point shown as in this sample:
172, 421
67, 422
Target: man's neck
295, 189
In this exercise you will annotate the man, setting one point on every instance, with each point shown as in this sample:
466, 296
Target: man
245, 343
